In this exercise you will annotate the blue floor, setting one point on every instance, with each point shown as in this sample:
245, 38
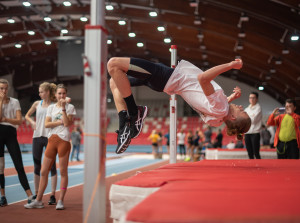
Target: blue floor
15, 192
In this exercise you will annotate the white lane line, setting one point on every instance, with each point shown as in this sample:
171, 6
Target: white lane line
71, 174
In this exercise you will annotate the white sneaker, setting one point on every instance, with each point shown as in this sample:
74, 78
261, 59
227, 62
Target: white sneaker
60, 205
34, 204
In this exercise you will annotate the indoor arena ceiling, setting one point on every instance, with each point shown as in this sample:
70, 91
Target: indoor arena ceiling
207, 33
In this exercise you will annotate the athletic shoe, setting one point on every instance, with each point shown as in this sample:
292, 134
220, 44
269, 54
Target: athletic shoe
60, 205
187, 159
34, 204
123, 139
52, 200
3, 201
31, 199
136, 122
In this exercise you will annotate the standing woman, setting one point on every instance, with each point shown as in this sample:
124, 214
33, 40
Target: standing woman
40, 135
10, 117
59, 117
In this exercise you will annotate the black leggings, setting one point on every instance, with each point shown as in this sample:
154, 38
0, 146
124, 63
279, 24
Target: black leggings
38, 145
8, 138
143, 72
252, 142
182, 149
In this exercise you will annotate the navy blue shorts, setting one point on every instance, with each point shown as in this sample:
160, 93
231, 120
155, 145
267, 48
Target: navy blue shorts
143, 72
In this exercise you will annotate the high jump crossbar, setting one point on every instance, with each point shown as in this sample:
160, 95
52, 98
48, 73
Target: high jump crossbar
173, 113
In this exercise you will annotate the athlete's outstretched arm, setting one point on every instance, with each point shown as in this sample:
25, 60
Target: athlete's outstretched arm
206, 77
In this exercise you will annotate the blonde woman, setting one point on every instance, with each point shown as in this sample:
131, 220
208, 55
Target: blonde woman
59, 117
10, 117
40, 135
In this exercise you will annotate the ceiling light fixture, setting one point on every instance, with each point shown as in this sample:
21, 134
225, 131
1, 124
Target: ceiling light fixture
241, 34
161, 28
64, 31
261, 88
153, 13
10, 20
295, 37
47, 19
140, 44
122, 22
244, 18
67, 3
194, 3
109, 41
1, 36
109, 7
18, 45
278, 62
31, 33
197, 20
83, 19
48, 42
131, 34
167, 40
285, 51
26, 4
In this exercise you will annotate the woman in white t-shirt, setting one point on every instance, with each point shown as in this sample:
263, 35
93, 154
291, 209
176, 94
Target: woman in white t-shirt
181, 143
59, 117
10, 117
40, 135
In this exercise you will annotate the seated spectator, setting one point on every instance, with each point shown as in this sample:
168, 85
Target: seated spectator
231, 145
265, 136
239, 144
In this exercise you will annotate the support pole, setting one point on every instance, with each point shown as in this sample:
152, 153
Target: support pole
173, 113
95, 126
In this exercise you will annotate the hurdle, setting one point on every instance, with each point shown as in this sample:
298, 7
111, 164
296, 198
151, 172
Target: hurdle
173, 113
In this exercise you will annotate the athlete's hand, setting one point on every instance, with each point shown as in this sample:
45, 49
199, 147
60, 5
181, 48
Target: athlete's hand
63, 103
68, 100
237, 92
2, 96
236, 64
33, 125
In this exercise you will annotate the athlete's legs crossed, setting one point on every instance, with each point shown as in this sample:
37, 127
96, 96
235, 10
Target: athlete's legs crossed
49, 158
64, 149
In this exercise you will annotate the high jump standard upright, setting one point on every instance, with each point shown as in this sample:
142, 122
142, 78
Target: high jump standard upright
173, 113
94, 196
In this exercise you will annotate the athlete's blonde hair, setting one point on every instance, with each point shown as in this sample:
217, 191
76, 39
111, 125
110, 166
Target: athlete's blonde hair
51, 88
4, 81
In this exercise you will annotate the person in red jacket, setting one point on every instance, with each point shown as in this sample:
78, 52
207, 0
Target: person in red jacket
287, 136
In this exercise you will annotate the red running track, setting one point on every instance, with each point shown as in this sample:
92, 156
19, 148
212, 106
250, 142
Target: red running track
220, 191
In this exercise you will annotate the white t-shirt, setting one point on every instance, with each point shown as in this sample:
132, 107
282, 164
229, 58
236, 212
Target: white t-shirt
180, 137
255, 114
40, 121
10, 110
183, 81
56, 114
